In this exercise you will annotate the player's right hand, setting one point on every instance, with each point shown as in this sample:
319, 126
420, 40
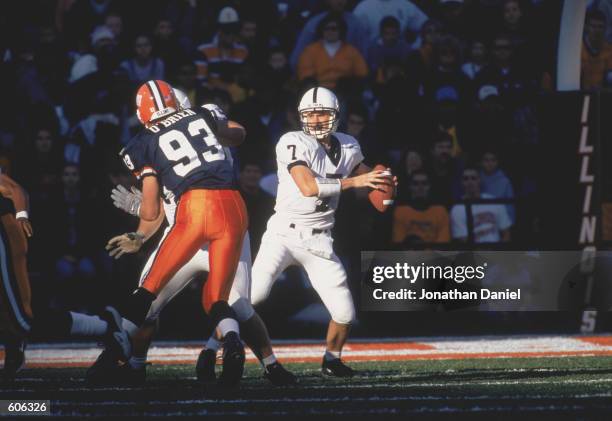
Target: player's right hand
129, 242
372, 179
126, 200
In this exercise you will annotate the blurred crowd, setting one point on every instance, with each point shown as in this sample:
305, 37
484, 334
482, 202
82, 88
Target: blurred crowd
442, 91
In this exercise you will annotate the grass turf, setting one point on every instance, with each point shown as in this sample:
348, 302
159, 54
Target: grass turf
538, 388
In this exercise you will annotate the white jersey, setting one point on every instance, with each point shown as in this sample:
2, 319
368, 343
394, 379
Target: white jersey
298, 148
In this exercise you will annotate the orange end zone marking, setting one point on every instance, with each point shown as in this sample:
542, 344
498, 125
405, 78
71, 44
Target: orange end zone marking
369, 346
446, 356
597, 340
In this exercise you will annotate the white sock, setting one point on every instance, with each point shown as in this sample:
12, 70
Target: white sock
138, 362
228, 325
86, 325
332, 355
269, 360
129, 326
213, 344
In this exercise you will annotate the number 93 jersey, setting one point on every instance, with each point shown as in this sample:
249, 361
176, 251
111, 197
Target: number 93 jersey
298, 148
183, 151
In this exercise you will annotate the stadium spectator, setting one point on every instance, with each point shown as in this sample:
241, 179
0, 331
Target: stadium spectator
96, 86
355, 31
331, 58
491, 223
477, 59
277, 71
143, 66
418, 218
372, 12
513, 78
446, 71
219, 61
605, 6
255, 42
28, 80
114, 22
38, 162
443, 170
453, 15
495, 182
596, 56
72, 229
419, 63
171, 49
260, 206
446, 114
388, 46
186, 79
80, 19
410, 163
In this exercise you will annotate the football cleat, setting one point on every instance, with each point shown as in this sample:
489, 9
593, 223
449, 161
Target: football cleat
99, 371
233, 361
116, 340
205, 367
130, 376
14, 358
279, 375
336, 368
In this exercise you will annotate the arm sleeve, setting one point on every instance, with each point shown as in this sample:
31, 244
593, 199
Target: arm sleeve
458, 223
291, 152
216, 112
133, 157
208, 116
357, 158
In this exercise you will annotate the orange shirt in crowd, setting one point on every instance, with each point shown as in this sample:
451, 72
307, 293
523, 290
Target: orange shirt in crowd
431, 225
595, 67
315, 62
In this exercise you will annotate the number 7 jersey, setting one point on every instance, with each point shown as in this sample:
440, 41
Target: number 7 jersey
183, 151
298, 148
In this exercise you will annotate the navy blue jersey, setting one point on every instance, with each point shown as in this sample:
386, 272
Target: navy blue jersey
183, 151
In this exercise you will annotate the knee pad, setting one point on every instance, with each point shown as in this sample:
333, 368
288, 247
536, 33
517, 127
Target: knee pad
260, 287
136, 307
221, 310
343, 312
243, 309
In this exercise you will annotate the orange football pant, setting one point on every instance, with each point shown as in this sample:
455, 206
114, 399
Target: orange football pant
203, 216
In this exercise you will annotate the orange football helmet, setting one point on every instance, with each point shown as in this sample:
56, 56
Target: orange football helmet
155, 99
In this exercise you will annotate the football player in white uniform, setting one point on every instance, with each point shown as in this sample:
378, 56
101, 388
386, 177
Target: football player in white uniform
314, 166
254, 330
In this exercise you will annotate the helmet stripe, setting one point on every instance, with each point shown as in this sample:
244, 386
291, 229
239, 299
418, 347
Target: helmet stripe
314, 94
161, 96
159, 105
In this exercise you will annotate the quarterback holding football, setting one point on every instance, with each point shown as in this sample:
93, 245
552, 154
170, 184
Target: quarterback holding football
314, 166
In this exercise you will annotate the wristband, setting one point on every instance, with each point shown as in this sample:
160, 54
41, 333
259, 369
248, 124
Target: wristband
136, 235
328, 187
22, 215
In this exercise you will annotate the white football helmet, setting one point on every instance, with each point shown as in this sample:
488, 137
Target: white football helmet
182, 98
319, 99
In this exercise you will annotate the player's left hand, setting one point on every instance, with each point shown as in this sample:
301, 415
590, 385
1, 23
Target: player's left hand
26, 226
129, 242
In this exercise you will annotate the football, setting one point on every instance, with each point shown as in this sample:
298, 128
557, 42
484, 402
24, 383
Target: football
382, 198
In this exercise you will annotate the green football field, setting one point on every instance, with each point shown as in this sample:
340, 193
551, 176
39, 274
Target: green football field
491, 388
